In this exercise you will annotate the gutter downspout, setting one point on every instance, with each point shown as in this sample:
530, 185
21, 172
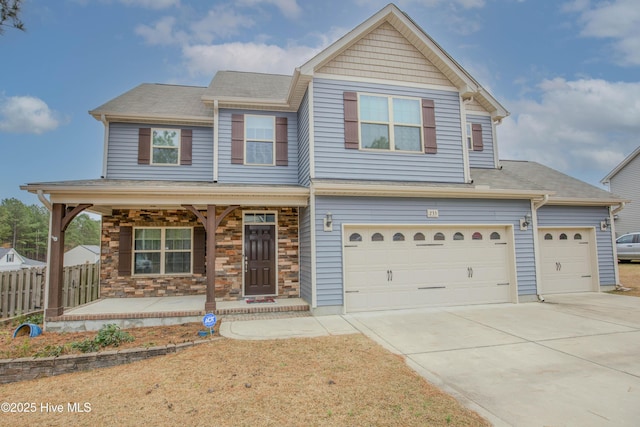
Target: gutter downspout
534, 219
104, 121
44, 201
216, 128
465, 149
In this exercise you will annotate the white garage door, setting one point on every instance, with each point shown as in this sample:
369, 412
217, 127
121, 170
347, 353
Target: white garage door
567, 263
389, 267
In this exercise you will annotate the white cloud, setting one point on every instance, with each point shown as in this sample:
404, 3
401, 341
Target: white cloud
205, 60
582, 127
220, 21
288, 8
162, 32
617, 20
152, 4
26, 114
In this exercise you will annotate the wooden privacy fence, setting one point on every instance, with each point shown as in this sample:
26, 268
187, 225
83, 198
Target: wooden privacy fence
22, 291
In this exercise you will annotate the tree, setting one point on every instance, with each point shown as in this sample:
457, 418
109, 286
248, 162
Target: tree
9, 15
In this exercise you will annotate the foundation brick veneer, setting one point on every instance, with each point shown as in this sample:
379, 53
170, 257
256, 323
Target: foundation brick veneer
229, 260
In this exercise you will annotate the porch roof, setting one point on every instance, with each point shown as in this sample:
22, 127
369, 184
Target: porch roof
107, 194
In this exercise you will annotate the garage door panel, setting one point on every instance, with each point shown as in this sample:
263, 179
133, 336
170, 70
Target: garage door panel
566, 260
428, 268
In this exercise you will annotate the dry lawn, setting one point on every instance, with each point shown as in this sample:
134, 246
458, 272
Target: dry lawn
629, 278
336, 380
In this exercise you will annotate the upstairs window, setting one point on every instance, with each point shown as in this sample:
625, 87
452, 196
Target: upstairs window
165, 146
474, 137
260, 140
10, 257
380, 122
388, 123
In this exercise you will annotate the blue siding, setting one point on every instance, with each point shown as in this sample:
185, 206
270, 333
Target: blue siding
578, 216
242, 174
306, 289
371, 210
484, 158
303, 142
333, 161
122, 157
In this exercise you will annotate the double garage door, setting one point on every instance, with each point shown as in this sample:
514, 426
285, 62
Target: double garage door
392, 267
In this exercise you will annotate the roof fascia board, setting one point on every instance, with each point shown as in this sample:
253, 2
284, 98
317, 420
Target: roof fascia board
620, 166
578, 201
387, 190
114, 117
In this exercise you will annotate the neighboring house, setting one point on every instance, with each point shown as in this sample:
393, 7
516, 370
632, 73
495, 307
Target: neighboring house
368, 179
82, 254
11, 260
624, 180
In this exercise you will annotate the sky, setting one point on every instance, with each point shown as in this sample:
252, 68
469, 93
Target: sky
567, 71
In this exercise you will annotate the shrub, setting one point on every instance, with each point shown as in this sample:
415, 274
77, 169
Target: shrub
112, 335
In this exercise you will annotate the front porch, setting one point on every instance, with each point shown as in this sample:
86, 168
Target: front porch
163, 311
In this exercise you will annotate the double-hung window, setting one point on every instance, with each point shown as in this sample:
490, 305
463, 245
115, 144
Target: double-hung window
165, 146
162, 250
390, 123
260, 140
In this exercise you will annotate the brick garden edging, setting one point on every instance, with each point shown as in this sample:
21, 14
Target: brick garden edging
29, 368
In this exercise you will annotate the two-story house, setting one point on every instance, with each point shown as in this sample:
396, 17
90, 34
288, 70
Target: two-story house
368, 179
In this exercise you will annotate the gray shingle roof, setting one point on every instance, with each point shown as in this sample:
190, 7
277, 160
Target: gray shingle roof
151, 99
249, 85
524, 175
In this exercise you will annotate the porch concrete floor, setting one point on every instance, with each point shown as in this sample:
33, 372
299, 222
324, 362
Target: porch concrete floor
189, 303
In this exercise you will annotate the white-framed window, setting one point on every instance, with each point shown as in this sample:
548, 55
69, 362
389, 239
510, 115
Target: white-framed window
162, 250
260, 137
10, 257
469, 136
390, 123
165, 146
260, 218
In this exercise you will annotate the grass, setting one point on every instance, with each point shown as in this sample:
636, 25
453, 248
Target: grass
327, 381
629, 278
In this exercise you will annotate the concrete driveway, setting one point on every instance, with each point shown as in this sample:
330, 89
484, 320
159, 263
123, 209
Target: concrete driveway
571, 361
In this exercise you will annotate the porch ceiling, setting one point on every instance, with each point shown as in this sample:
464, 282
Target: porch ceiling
106, 195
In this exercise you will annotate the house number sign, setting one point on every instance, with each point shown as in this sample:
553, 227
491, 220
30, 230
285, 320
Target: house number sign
432, 213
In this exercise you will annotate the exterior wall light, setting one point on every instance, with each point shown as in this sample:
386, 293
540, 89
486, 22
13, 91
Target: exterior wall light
525, 222
328, 222
605, 223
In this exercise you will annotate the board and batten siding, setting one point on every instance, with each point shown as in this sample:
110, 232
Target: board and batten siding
303, 142
333, 161
584, 216
412, 211
250, 174
626, 184
122, 155
306, 286
485, 158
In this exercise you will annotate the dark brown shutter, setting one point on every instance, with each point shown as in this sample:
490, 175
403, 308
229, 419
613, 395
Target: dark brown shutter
237, 139
429, 126
350, 100
124, 257
144, 146
185, 146
199, 244
476, 137
282, 146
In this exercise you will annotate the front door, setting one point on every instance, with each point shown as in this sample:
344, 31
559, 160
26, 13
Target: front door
259, 260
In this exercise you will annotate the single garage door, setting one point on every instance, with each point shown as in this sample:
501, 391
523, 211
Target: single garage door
392, 267
568, 260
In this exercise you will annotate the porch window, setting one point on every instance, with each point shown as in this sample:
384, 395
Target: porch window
162, 250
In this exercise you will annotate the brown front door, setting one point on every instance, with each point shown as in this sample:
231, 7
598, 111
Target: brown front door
260, 260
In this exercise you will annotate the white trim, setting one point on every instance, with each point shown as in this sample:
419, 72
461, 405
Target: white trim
536, 247
312, 231
216, 139
386, 82
312, 134
465, 151
494, 135
272, 140
612, 233
105, 148
277, 244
